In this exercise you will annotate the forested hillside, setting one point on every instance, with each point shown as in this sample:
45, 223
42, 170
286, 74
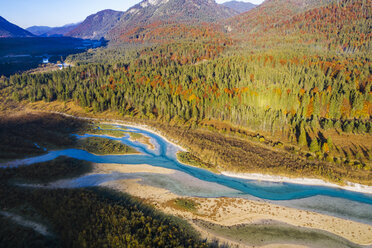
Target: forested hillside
296, 71
147, 13
341, 26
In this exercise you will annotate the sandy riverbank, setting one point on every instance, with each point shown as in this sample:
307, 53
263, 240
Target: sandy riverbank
148, 129
138, 168
251, 176
221, 211
264, 177
305, 181
234, 211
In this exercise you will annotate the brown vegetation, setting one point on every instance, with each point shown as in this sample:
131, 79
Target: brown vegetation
242, 155
233, 152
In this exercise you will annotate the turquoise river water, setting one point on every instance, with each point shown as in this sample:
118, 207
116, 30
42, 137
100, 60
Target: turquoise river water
329, 200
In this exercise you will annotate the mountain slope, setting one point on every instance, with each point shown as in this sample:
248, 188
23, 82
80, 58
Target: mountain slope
45, 31
9, 30
270, 13
238, 6
97, 25
342, 26
151, 11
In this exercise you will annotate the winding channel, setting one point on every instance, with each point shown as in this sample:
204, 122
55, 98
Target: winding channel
330, 200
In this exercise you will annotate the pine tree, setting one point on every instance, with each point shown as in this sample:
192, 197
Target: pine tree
302, 138
314, 146
347, 127
330, 143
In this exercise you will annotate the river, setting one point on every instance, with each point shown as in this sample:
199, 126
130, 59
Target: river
329, 200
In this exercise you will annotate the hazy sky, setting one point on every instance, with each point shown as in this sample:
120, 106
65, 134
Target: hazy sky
26, 13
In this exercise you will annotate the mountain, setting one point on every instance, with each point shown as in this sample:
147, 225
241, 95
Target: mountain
61, 31
172, 11
38, 30
97, 25
45, 31
270, 13
340, 26
238, 6
9, 30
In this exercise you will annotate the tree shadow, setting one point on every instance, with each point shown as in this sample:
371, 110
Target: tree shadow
364, 150
345, 152
322, 138
308, 138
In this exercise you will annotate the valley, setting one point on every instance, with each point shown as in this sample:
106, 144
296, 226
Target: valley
189, 123
141, 180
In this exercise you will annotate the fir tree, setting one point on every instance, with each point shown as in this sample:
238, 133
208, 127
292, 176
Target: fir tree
314, 146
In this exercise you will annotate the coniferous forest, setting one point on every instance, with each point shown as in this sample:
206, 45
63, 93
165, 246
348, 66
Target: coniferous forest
299, 81
284, 89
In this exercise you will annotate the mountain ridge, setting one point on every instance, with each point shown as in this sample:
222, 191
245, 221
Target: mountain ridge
38, 30
45, 31
96, 26
271, 12
341, 26
179, 11
111, 24
10, 30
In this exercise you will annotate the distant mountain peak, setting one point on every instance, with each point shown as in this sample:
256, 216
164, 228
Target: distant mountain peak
153, 2
165, 8
45, 31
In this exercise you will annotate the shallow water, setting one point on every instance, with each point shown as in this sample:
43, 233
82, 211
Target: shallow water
188, 180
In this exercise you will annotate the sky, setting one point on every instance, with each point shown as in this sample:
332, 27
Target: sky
54, 13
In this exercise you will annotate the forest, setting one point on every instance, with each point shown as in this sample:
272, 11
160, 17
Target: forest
306, 90
260, 91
